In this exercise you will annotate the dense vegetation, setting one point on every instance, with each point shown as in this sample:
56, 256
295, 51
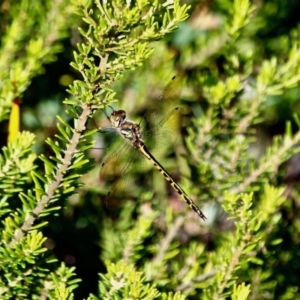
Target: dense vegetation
62, 237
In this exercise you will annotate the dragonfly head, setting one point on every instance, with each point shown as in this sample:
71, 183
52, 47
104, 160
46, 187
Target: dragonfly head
117, 118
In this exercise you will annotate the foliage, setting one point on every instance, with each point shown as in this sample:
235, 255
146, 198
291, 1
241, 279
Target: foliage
151, 248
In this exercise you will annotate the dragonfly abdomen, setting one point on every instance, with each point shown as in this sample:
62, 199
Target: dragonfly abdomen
174, 185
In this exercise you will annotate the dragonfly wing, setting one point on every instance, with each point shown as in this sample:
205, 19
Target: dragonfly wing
164, 134
163, 104
111, 167
119, 168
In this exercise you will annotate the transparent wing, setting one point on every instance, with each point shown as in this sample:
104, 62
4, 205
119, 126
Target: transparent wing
163, 136
111, 167
163, 104
119, 170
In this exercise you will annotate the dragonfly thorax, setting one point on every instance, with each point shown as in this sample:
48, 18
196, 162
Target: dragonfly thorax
132, 132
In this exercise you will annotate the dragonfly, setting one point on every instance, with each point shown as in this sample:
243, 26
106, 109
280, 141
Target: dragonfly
134, 136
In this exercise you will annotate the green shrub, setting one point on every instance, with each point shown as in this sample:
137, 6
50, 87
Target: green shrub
150, 245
